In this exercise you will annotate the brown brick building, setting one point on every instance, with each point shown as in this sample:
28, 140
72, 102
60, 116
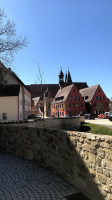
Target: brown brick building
95, 100
68, 101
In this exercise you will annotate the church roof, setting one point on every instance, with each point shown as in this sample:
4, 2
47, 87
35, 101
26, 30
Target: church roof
37, 90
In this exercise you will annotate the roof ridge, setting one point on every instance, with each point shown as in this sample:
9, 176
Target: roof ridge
89, 87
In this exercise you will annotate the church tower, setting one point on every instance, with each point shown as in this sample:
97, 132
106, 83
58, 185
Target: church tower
61, 77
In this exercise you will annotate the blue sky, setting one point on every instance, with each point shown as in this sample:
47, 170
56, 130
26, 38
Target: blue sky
68, 33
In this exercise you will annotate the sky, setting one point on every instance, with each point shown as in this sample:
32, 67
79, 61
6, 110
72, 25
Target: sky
64, 33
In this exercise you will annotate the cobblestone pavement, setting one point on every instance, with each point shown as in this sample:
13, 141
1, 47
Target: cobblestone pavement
21, 179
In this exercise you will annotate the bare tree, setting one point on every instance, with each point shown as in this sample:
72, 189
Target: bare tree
10, 43
40, 76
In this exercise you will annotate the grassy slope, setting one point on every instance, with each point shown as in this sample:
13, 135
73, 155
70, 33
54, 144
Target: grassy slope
93, 128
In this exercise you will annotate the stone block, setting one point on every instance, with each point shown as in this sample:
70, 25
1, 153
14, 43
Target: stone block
106, 164
106, 188
105, 145
85, 147
91, 137
109, 182
101, 179
106, 172
108, 155
99, 170
92, 150
109, 196
98, 161
92, 158
101, 153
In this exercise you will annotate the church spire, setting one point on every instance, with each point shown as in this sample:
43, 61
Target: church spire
61, 76
69, 79
66, 77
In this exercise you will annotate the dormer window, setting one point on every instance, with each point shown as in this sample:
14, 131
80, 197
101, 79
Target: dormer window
59, 98
86, 97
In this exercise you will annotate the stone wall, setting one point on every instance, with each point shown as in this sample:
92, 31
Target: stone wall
84, 160
73, 123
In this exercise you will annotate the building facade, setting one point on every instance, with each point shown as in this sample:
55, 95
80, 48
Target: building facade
15, 99
95, 99
67, 101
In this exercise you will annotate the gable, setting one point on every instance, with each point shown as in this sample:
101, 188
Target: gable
99, 93
74, 93
62, 94
88, 93
8, 77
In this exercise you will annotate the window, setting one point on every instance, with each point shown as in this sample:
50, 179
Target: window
77, 105
96, 98
94, 104
86, 97
78, 98
100, 97
69, 113
74, 98
69, 104
103, 97
99, 90
74, 90
70, 98
60, 105
73, 105
4, 116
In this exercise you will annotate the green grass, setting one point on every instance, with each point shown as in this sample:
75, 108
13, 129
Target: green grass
93, 128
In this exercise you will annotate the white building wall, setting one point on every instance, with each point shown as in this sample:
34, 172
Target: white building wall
27, 103
24, 104
9, 106
21, 117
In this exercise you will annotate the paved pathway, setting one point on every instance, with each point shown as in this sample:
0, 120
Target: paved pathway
23, 180
104, 122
